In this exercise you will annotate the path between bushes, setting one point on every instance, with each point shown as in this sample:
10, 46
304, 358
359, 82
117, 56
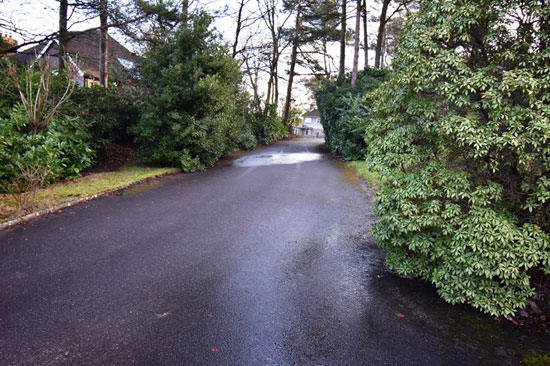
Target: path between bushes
266, 260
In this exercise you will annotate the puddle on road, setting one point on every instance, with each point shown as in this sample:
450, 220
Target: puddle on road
275, 159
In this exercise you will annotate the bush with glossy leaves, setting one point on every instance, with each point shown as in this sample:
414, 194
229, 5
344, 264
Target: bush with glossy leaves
461, 137
64, 148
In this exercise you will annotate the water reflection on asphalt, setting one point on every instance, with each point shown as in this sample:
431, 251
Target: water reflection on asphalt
276, 159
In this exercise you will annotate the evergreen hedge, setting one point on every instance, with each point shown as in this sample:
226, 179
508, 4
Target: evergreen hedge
461, 136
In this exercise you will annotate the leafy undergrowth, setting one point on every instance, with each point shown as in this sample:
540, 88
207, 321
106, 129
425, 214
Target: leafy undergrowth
536, 359
370, 177
66, 191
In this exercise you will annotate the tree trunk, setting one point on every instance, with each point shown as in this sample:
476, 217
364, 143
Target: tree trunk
253, 79
103, 45
384, 49
357, 44
239, 26
185, 12
269, 82
325, 58
272, 87
365, 34
293, 58
342, 69
62, 38
276, 83
380, 37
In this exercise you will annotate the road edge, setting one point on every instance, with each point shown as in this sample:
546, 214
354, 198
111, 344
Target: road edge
34, 215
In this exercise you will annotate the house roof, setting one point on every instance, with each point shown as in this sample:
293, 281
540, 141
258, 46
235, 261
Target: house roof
313, 113
85, 46
30, 54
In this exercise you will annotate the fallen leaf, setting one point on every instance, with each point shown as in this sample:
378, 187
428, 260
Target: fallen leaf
214, 349
515, 322
542, 318
399, 315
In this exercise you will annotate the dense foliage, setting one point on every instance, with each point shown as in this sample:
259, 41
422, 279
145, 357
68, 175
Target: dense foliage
107, 112
460, 135
343, 115
8, 92
63, 149
197, 110
266, 125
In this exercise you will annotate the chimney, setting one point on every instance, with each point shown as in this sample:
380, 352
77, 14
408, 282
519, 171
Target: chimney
7, 41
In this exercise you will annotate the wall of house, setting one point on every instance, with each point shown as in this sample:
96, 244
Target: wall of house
313, 122
316, 132
309, 132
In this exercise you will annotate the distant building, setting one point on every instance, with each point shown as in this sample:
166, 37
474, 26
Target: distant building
311, 127
83, 51
7, 42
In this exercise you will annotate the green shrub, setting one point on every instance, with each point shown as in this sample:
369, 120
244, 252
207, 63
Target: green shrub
188, 163
64, 148
266, 125
343, 115
8, 92
107, 112
247, 140
460, 136
196, 109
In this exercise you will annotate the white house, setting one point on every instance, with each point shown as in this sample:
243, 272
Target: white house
311, 127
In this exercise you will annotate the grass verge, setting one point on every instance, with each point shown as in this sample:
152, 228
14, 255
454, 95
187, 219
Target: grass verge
370, 177
62, 192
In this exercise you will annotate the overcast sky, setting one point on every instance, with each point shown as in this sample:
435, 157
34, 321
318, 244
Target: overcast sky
37, 17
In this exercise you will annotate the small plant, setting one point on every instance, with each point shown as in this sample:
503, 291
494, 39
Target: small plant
37, 91
28, 180
247, 141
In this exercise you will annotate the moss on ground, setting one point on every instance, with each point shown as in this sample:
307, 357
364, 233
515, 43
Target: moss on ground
92, 184
371, 178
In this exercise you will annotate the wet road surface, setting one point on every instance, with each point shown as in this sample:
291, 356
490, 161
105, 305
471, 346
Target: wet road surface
263, 261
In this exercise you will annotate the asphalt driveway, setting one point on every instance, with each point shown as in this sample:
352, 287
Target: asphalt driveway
263, 261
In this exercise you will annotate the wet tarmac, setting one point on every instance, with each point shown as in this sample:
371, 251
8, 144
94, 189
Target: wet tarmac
253, 160
264, 261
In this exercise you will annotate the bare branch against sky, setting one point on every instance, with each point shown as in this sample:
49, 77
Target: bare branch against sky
29, 21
